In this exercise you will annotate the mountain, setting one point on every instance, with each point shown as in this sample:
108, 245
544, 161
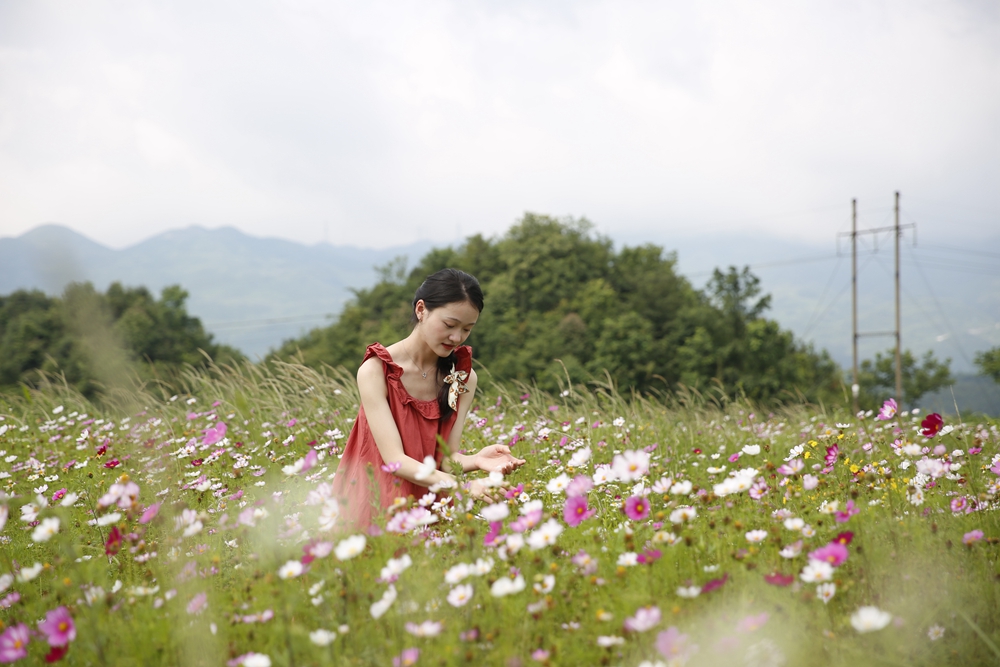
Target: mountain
253, 293
250, 292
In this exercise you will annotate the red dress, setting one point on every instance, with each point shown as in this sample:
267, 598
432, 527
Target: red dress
419, 423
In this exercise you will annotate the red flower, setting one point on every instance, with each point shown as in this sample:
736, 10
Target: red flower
56, 654
931, 424
197, 462
777, 579
844, 537
114, 542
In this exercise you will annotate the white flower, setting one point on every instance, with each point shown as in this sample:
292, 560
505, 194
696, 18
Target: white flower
424, 629
5, 581
109, 519
482, 566
395, 567
662, 485
755, 536
67, 500
689, 591
546, 585
825, 592
379, 607
610, 640
496, 512
619, 421
350, 547
514, 543
829, 507
794, 523
291, 569
681, 488
817, 571
631, 465
457, 573
545, 535
507, 586
935, 632
29, 573
683, 513
603, 474
322, 637
579, 458
869, 619
628, 559
256, 660
426, 468
751, 450
558, 483
792, 550
460, 595
46, 529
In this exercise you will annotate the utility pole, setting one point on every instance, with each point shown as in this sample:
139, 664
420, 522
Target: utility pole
899, 358
855, 387
897, 230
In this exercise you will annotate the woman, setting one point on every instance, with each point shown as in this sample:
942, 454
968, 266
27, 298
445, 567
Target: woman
412, 393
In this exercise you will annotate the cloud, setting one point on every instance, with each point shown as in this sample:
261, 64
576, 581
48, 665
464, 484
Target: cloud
390, 122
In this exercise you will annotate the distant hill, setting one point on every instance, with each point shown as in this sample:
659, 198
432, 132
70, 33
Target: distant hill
251, 293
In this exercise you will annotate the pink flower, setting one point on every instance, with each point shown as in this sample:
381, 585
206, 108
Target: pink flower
585, 562
58, 495
972, 537
888, 410
646, 618
406, 658
833, 553
11, 599
150, 513
391, 467
214, 435
831, 455
810, 482
576, 511
959, 504
931, 424
673, 645
14, 643
752, 622
312, 457
58, 627
495, 528
540, 655
515, 492
649, 556
198, 603
636, 508
581, 485
792, 467
849, 511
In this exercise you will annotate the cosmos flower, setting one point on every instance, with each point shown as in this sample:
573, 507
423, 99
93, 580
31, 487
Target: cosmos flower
460, 595
576, 511
817, 571
636, 508
931, 425
756, 536
825, 592
630, 465
46, 529
888, 410
322, 637
645, 618
870, 619
14, 643
350, 547
58, 627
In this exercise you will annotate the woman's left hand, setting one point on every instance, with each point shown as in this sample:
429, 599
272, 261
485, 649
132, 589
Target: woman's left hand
497, 458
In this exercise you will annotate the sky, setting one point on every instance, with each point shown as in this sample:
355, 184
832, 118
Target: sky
382, 123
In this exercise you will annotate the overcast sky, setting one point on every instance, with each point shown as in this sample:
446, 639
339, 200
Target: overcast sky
380, 123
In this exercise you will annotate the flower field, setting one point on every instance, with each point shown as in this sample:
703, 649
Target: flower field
199, 529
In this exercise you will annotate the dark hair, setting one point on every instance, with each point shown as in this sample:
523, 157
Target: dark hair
439, 289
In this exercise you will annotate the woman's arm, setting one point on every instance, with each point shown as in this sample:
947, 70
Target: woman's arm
493, 458
375, 400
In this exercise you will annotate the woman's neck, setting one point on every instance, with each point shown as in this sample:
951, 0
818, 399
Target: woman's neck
418, 351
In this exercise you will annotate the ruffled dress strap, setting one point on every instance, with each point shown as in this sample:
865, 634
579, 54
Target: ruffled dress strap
392, 369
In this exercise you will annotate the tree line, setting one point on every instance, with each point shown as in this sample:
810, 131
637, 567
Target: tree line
562, 306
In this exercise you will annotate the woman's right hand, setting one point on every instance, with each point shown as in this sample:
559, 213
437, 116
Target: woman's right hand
479, 489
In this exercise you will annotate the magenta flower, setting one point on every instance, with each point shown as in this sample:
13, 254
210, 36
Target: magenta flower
649, 556
833, 553
831, 455
406, 658
714, 584
972, 537
58, 627
849, 511
778, 579
495, 528
931, 424
845, 537
959, 504
214, 435
576, 511
674, 646
636, 508
14, 643
114, 542
888, 410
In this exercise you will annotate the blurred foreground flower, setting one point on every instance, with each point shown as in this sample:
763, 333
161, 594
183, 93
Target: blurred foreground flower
869, 619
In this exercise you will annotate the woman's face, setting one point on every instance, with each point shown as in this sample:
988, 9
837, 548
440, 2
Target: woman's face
446, 327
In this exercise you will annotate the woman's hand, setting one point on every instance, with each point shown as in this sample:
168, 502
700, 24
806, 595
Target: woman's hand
496, 458
480, 489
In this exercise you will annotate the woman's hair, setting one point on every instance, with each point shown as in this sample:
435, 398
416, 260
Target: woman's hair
439, 289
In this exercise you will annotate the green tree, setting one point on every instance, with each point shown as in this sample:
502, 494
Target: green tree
989, 363
878, 378
560, 300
